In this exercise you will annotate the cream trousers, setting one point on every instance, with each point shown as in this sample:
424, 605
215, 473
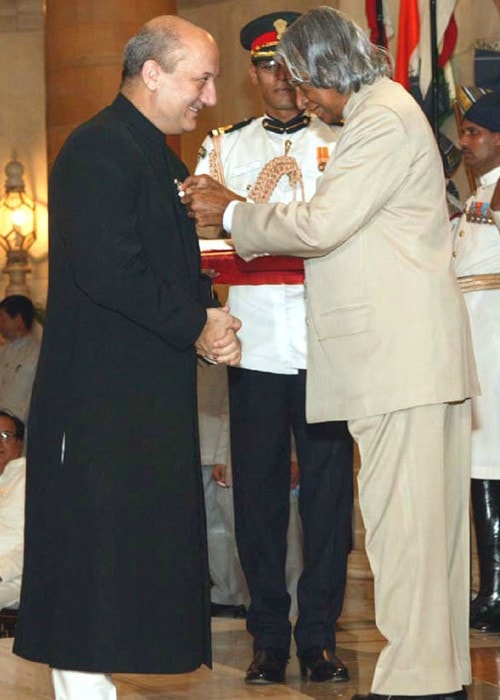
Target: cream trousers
414, 485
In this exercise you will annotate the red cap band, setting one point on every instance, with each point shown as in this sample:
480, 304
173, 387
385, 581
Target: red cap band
264, 40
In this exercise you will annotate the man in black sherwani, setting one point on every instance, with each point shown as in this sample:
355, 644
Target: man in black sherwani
115, 576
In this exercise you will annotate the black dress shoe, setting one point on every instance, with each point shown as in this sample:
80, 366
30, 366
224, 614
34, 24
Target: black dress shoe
220, 610
268, 666
457, 695
485, 614
323, 665
239, 612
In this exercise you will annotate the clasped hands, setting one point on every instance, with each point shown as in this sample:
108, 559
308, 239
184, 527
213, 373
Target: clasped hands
206, 199
218, 341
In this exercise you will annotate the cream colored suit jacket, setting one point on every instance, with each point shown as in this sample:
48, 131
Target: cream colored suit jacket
388, 328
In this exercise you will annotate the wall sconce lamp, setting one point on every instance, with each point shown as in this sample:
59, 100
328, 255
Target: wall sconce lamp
17, 228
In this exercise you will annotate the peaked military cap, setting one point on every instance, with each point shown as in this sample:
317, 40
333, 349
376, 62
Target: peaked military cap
262, 34
485, 112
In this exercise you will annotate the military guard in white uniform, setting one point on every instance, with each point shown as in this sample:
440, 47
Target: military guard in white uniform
477, 254
279, 157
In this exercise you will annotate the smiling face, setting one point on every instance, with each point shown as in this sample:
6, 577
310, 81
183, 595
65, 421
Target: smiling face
176, 98
280, 99
326, 103
480, 147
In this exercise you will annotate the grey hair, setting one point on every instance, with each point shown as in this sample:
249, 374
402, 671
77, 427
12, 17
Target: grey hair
154, 41
327, 49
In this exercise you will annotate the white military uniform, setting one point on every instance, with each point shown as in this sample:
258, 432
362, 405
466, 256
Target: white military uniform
477, 252
273, 334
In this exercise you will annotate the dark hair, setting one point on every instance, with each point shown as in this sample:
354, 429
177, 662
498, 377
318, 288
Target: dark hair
327, 49
154, 41
18, 304
17, 422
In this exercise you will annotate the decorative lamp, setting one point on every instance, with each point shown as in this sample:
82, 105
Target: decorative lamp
17, 228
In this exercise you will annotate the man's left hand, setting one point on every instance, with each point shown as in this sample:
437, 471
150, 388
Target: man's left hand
206, 199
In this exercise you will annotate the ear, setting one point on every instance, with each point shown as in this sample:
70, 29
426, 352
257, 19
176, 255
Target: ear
150, 74
252, 72
300, 99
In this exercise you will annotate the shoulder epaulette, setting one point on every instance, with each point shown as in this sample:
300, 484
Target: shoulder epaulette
231, 127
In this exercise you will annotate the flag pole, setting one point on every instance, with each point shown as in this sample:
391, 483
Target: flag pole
435, 71
471, 180
381, 39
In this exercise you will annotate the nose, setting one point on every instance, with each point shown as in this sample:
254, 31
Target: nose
281, 72
463, 139
210, 94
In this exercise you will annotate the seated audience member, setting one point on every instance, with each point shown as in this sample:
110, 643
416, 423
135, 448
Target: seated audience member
12, 479
18, 355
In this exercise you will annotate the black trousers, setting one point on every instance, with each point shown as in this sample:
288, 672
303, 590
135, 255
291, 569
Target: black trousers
264, 409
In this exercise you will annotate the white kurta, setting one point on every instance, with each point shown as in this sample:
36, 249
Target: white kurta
477, 252
273, 335
12, 486
18, 362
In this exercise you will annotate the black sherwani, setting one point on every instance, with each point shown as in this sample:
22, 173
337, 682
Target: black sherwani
115, 576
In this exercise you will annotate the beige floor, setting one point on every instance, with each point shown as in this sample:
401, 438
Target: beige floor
358, 645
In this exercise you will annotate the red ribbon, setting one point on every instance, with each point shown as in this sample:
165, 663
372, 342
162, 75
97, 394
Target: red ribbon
270, 269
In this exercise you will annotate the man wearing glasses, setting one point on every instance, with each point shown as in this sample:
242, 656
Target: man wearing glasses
12, 479
280, 157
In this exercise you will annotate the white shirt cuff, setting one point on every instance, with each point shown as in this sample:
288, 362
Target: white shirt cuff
227, 219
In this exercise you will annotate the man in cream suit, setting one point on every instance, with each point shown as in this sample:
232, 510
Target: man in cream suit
389, 342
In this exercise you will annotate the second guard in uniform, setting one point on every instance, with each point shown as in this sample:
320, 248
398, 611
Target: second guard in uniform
477, 257
280, 157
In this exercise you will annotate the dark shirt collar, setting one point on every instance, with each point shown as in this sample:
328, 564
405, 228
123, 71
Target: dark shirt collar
301, 121
124, 107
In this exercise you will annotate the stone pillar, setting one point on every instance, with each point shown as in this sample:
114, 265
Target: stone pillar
84, 42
